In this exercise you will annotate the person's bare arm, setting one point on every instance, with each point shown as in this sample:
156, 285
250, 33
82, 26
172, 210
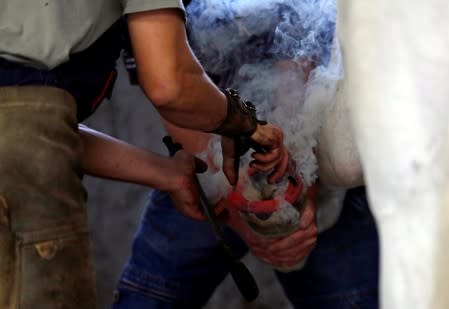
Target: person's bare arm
169, 73
107, 157
175, 82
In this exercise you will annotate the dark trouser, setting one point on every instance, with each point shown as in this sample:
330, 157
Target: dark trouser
176, 262
45, 256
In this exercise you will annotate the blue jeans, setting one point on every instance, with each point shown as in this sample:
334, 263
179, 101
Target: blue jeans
176, 262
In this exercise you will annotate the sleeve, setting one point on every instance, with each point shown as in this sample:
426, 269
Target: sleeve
133, 6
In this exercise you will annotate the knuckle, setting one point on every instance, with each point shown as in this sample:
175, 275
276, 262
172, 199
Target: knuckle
314, 231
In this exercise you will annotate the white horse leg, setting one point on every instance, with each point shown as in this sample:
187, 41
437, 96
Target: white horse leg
397, 69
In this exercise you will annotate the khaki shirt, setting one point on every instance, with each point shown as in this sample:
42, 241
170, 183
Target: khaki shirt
43, 33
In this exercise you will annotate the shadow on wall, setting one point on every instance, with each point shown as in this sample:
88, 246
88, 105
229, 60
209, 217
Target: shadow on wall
115, 208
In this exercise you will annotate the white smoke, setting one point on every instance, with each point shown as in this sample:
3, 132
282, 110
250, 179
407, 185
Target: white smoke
266, 49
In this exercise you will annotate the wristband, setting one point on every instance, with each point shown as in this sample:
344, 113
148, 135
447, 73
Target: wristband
240, 118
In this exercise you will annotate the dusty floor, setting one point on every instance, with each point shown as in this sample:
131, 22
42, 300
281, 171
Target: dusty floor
115, 208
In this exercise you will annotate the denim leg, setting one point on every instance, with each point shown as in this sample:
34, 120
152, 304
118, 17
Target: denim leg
175, 261
342, 271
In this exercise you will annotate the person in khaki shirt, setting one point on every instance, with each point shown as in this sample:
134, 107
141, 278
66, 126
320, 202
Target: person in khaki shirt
57, 62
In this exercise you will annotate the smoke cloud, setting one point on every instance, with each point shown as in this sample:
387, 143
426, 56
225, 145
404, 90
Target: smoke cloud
280, 55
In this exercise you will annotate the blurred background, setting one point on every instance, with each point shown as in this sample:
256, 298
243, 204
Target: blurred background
115, 208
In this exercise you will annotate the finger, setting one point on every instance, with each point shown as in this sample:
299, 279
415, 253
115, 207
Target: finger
308, 214
264, 167
294, 260
257, 242
262, 249
268, 252
268, 135
191, 211
269, 164
292, 256
305, 247
295, 252
294, 239
227, 146
186, 201
287, 261
228, 170
272, 155
279, 170
312, 192
265, 260
195, 215
223, 214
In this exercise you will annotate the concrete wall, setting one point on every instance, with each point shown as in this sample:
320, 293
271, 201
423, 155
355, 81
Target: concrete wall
115, 208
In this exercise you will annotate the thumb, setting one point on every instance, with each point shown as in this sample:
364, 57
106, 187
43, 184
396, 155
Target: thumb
308, 214
227, 146
228, 170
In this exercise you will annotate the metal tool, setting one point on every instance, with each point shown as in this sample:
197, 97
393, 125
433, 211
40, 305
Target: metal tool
242, 277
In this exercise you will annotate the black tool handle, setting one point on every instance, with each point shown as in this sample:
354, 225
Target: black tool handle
243, 279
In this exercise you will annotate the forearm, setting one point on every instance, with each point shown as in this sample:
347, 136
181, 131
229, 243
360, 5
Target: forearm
107, 157
170, 74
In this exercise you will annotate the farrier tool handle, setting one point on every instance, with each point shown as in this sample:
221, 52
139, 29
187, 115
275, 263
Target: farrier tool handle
242, 277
